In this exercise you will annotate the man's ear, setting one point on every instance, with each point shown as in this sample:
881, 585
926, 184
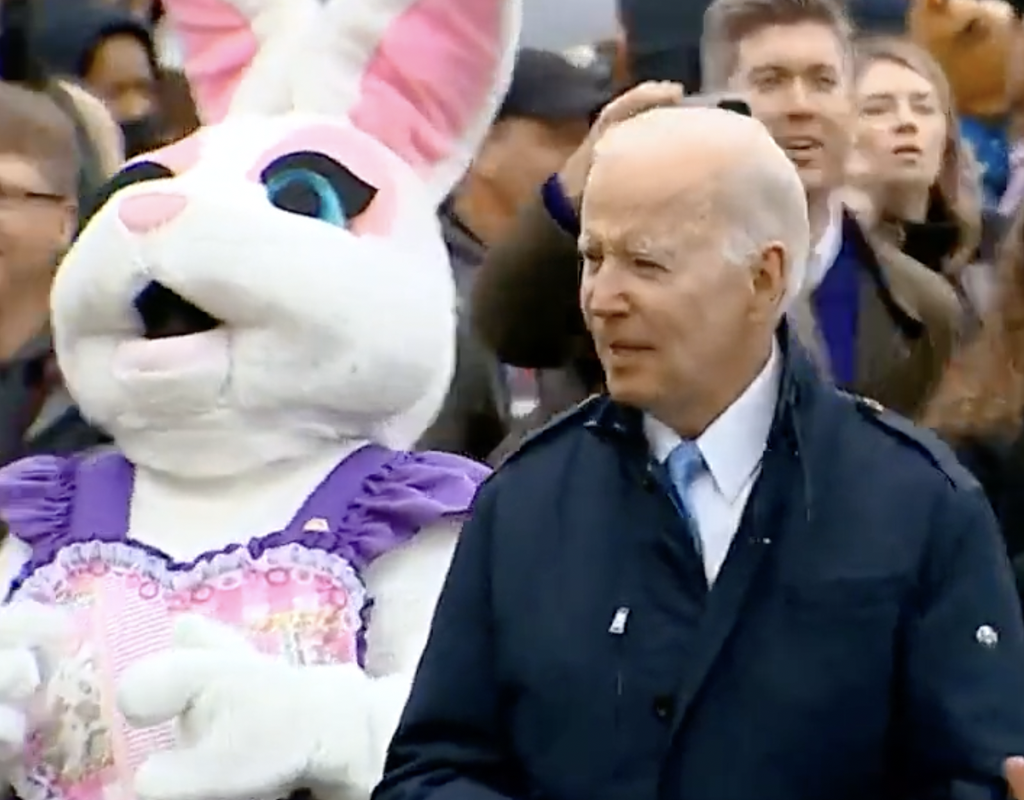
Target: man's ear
770, 279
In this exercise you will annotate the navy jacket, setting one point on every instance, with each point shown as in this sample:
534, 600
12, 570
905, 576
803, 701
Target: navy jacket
863, 640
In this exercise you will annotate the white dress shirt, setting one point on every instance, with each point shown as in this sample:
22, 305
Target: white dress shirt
826, 249
733, 447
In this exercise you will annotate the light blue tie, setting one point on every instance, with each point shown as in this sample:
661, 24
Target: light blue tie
685, 464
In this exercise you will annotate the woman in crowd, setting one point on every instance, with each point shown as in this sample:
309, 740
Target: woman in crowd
979, 405
910, 175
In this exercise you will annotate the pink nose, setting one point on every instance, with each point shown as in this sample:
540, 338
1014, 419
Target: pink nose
143, 213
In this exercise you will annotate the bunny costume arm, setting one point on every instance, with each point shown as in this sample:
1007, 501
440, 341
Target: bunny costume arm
256, 726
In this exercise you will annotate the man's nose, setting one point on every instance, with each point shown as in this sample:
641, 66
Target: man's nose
799, 98
143, 213
602, 294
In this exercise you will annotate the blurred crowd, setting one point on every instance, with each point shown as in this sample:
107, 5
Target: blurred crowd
909, 160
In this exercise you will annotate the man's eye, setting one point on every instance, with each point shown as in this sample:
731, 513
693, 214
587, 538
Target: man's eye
646, 263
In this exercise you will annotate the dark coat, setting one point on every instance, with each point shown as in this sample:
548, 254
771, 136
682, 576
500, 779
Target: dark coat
845, 651
998, 464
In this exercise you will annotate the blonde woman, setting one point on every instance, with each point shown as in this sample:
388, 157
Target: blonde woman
909, 171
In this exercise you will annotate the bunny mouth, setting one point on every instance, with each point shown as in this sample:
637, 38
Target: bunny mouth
165, 314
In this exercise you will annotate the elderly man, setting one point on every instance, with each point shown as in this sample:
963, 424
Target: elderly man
678, 589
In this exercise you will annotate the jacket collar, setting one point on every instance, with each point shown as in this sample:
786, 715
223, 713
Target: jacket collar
800, 383
881, 261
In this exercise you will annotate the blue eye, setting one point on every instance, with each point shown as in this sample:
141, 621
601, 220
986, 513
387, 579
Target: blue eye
316, 186
303, 191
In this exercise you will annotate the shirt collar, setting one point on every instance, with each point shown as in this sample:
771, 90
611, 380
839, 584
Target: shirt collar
826, 249
733, 444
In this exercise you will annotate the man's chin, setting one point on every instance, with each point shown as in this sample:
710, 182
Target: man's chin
813, 178
626, 391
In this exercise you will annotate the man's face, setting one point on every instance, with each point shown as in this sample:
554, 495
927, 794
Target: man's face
517, 157
665, 310
796, 78
121, 74
36, 225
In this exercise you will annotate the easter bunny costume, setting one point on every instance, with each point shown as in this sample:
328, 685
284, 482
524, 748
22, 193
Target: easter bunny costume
230, 603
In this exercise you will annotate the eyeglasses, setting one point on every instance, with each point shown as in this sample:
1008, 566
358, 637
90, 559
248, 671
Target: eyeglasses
10, 195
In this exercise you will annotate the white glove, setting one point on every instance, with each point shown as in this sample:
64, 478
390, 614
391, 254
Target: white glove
31, 639
250, 725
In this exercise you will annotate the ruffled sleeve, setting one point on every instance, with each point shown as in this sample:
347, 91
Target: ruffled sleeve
35, 499
410, 492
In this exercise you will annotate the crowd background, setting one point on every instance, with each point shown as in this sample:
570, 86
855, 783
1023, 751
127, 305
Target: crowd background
940, 335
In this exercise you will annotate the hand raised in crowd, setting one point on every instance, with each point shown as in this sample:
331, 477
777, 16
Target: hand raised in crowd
644, 97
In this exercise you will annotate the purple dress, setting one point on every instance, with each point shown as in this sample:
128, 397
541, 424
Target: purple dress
297, 593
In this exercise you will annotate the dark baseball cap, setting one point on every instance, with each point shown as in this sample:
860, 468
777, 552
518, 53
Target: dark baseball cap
547, 86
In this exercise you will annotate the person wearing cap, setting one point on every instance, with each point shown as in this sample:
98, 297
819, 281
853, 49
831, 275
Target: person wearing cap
545, 116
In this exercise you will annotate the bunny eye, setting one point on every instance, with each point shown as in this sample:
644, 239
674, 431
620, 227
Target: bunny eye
316, 186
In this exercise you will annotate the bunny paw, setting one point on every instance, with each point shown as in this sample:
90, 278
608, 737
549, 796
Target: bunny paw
250, 725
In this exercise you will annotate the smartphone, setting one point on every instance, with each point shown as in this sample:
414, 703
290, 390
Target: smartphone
723, 100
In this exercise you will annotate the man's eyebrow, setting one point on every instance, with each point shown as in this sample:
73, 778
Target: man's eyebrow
646, 246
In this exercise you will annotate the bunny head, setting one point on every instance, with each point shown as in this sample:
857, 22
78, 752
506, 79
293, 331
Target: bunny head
278, 280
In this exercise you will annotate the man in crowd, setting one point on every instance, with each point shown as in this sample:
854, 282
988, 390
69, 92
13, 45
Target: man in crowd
39, 168
678, 590
882, 324
544, 118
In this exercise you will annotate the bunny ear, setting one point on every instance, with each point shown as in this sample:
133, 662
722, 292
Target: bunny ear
236, 52
424, 77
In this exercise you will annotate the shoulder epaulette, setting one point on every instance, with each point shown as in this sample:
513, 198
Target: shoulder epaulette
552, 427
924, 441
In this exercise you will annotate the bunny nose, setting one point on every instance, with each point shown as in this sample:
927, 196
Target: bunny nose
147, 212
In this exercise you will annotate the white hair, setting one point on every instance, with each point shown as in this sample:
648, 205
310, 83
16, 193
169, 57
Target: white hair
758, 193
764, 203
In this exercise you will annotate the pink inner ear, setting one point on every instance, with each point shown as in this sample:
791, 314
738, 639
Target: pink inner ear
218, 45
430, 77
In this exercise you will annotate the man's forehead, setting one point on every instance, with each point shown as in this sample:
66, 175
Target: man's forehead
797, 47
648, 224
19, 168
